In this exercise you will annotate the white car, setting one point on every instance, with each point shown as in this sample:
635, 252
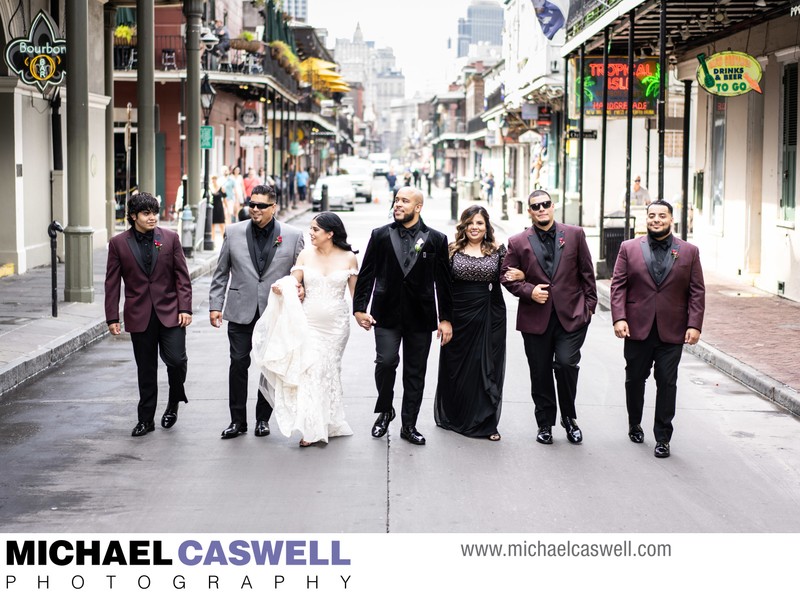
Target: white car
341, 194
360, 173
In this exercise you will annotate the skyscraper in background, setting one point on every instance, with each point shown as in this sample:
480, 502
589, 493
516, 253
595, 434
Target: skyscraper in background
297, 8
484, 23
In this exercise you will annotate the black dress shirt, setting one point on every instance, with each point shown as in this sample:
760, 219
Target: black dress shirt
145, 242
660, 250
262, 234
548, 239
407, 238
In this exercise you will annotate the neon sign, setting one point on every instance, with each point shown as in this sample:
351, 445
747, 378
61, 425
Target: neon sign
646, 81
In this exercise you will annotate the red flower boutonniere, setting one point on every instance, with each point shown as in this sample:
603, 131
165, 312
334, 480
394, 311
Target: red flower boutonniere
674, 254
157, 244
278, 241
561, 242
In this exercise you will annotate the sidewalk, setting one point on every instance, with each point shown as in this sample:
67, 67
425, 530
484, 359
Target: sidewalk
748, 334
31, 340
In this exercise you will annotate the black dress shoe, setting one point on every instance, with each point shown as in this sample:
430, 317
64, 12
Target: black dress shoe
234, 430
142, 428
574, 434
262, 429
545, 434
661, 450
636, 434
381, 425
170, 416
411, 434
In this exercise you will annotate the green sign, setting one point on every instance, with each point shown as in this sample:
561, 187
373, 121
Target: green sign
206, 137
729, 73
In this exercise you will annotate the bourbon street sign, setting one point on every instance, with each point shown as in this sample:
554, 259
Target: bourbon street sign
40, 59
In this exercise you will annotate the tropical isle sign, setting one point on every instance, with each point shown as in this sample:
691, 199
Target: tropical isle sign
40, 59
729, 73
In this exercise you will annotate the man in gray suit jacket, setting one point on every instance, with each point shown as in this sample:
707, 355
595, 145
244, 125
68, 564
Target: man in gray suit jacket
254, 255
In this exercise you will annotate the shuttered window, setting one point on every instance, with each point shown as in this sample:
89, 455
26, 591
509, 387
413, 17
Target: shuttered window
789, 141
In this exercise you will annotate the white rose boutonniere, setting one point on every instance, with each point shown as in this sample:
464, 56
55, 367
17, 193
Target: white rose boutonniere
418, 245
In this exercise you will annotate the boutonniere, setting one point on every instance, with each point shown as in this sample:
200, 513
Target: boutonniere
278, 241
674, 253
157, 244
561, 242
418, 246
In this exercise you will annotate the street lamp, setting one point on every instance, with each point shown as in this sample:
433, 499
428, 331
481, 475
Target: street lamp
209, 41
207, 97
504, 132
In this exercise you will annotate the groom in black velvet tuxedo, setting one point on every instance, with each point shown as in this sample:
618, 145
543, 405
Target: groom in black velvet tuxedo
406, 274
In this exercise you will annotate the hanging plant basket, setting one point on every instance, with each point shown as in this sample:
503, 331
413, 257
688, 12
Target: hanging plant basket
253, 46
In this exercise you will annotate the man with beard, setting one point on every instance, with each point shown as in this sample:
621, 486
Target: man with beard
406, 274
557, 298
657, 305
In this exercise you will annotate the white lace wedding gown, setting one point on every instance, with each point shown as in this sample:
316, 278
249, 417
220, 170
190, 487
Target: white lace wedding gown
300, 352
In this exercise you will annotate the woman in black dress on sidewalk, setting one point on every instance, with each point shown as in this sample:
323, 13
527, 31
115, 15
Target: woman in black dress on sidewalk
472, 366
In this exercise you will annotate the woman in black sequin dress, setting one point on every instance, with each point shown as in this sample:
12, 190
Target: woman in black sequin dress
472, 365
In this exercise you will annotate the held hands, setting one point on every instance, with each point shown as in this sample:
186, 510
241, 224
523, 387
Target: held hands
540, 294
692, 336
621, 329
215, 318
514, 274
365, 320
184, 319
444, 332
114, 328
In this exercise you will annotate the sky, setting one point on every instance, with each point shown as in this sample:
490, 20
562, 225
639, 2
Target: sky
417, 30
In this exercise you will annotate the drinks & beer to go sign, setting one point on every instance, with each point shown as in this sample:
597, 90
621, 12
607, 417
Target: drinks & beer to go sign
729, 74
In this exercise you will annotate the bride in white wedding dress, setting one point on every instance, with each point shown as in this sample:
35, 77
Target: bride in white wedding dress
299, 347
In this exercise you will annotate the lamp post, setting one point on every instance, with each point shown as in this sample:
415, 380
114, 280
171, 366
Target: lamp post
504, 132
209, 41
207, 97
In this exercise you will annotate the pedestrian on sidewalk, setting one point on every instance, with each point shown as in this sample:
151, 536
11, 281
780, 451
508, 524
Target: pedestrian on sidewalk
254, 254
657, 305
158, 306
405, 273
557, 298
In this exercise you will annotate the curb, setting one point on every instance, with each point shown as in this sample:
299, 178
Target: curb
763, 385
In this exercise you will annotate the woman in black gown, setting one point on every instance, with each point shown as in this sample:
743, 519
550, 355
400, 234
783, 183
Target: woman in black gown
472, 365
220, 212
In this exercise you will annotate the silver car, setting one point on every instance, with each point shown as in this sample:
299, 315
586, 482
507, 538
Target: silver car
341, 194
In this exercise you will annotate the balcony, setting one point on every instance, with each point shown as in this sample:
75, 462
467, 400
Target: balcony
475, 125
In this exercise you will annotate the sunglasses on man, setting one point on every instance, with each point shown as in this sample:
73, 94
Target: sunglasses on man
262, 205
541, 205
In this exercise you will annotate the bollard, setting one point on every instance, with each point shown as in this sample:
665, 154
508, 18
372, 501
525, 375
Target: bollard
324, 202
429, 186
187, 231
453, 203
52, 230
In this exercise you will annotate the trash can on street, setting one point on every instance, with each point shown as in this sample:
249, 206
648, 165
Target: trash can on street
613, 236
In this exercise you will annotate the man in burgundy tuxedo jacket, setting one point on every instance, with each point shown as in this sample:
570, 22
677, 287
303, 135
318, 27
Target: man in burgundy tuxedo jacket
557, 298
158, 305
657, 304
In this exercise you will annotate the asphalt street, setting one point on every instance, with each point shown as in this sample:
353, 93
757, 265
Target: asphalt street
70, 464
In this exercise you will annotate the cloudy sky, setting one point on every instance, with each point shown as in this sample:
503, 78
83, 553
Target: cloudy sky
417, 30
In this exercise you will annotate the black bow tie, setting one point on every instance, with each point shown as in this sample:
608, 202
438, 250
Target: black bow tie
551, 233
140, 237
407, 232
660, 244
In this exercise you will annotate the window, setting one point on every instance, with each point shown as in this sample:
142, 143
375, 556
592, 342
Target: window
718, 124
789, 143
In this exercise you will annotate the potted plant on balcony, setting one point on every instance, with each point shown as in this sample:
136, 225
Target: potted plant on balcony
283, 54
125, 35
246, 41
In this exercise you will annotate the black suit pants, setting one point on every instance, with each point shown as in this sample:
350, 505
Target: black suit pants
240, 337
171, 342
640, 356
416, 346
557, 353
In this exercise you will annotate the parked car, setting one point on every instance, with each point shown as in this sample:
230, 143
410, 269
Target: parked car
341, 194
360, 173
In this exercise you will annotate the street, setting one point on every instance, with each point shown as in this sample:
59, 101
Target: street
70, 464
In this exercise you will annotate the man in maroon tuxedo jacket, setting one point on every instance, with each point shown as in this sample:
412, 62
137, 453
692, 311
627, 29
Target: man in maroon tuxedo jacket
557, 298
158, 305
657, 304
